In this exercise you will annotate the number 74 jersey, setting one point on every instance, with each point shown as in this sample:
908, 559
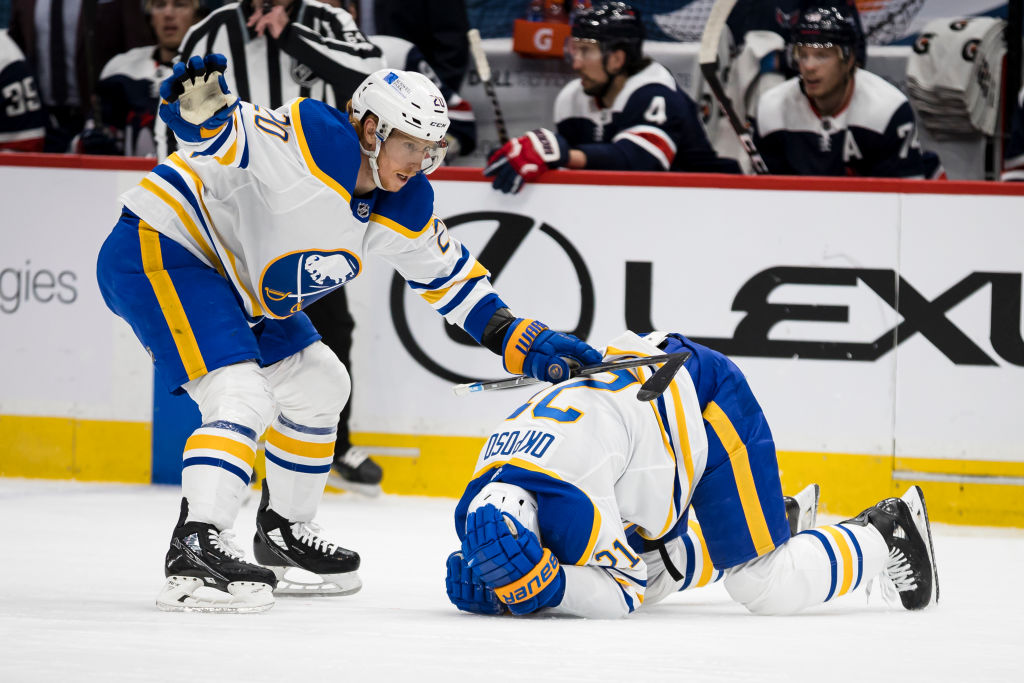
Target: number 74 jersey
601, 464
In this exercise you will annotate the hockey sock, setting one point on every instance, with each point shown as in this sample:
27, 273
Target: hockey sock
298, 460
216, 469
698, 571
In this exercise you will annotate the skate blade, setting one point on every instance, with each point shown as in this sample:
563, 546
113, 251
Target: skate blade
191, 594
807, 499
368, 490
914, 498
293, 581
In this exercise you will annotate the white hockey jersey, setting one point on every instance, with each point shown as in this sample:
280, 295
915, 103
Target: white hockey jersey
269, 202
601, 464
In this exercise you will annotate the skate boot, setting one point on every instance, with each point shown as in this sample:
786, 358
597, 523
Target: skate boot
802, 509
903, 523
207, 572
356, 472
282, 545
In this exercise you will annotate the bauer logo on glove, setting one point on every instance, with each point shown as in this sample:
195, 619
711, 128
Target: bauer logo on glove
195, 100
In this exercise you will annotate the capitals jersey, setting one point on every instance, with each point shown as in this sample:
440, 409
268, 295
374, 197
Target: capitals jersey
269, 201
874, 135
129, 91
22, 121
401, 54
652, 125
602, 465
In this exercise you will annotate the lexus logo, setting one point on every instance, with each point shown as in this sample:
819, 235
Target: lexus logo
504, 245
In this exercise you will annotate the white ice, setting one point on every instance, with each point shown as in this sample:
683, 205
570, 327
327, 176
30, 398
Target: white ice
80, 566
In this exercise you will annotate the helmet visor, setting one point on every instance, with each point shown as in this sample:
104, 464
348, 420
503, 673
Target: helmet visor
406, 151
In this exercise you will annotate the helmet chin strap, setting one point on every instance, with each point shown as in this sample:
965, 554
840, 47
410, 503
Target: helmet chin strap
373, 161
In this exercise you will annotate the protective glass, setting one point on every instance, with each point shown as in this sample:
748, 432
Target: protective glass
815, 55
404, 151
585, 50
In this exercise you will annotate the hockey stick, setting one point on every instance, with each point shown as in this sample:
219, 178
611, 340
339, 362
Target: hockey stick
656, 384
709, 65
483, 68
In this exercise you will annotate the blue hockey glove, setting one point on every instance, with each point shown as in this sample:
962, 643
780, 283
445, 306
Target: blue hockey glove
195, 100
509, 559
467, 593
526, 158
530, 348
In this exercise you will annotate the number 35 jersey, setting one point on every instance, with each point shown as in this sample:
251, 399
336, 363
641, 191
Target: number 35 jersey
269, 201
600, 463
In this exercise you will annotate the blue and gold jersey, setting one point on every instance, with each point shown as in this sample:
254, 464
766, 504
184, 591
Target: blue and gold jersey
268, 201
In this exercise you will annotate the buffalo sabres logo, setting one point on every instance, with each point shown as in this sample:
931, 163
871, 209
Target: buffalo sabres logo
296, 280
362, 209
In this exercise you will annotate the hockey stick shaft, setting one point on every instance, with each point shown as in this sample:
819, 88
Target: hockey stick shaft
483, 68
525, 380
709, 67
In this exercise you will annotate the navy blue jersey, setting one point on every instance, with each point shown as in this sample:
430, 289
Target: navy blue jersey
22, 121
651, 126
873, 135
129, 93
1013, 157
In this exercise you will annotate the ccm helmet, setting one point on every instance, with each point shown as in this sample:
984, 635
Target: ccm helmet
828, 27
613, 26
405, 101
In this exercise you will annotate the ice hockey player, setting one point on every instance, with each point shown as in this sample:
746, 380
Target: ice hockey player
215, 255
579, 503
836, 119
625, 112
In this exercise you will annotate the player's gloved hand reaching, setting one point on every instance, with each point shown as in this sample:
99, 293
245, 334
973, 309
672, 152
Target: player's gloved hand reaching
530, 348
466, 592
509, 559
195, 98
526, 158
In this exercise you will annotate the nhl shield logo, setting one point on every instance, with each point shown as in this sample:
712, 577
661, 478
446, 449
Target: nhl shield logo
362, 209
296, 280
302, 74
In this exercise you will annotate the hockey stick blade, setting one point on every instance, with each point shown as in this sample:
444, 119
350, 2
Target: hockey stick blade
525, 380
663, 376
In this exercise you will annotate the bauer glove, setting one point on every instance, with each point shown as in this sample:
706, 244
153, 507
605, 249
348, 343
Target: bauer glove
530, 348
195, 100
509, 559
526, 158
467, 593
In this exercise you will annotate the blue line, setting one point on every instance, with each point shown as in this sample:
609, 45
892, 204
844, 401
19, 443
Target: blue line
295, 467
860, 556
437, 282
461, 296
319, 431
831, 557
217, 462
231, 427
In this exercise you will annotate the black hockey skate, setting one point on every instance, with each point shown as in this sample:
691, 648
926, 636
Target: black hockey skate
281, 545
354, 471
207, 572
903, 523
802, 509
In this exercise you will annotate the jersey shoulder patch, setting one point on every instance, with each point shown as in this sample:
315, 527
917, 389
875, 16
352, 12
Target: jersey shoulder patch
328, 144
408, 211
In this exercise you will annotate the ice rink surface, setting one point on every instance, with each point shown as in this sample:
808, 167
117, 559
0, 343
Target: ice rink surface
80, 567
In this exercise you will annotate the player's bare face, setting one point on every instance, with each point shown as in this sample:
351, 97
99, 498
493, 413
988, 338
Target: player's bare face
587, 62
822, 69
170, 20
401, 157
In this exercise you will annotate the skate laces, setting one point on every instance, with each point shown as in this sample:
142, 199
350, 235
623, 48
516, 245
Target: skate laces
355, 456
898, 570
309, 533
226, 544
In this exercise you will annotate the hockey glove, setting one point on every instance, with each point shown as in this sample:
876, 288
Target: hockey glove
195, 100
508, 558
468, 593
530, 348
526, 158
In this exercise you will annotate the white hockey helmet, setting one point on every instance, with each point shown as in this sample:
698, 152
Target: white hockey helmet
405, 101
509, 498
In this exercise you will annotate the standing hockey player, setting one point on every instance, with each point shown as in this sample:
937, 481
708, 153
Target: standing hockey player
837, 119
219, 249
579, 503
625, 112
